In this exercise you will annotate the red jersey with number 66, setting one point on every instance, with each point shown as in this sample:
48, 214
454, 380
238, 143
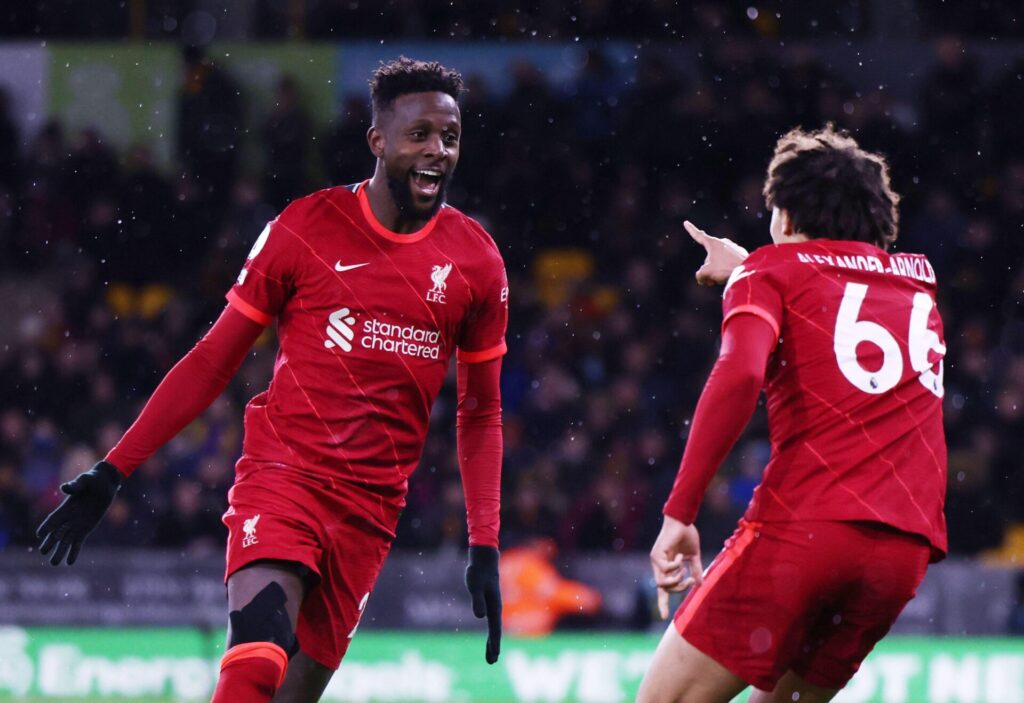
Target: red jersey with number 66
367, 323
854, 387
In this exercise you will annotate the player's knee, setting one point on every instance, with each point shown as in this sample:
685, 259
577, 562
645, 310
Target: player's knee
264, 619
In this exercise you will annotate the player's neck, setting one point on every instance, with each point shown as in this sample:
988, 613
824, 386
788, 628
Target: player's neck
791, 238
384, 208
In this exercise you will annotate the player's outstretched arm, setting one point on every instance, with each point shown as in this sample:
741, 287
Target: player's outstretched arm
186, 391
478, 431
735, 383
723, 255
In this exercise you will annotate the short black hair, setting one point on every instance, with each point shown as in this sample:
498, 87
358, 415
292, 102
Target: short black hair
404, 75
832, 188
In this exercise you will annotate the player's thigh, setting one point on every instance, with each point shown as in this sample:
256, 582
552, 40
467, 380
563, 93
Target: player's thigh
305, 682
331, 611
679, 672
751, 612
792, 687
257, 579
886, 575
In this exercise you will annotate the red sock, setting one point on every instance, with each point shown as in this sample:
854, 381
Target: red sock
250, 672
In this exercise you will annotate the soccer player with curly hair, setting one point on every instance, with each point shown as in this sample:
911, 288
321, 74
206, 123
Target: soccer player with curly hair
845, 338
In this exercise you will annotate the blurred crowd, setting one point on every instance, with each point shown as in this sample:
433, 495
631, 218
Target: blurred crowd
199, 20
112, 268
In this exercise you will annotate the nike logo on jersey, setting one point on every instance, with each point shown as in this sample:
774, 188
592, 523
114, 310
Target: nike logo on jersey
737, 274
341, 268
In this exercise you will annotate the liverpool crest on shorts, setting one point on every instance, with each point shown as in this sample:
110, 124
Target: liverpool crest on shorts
249, 528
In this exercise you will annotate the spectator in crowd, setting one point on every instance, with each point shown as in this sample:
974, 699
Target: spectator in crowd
209, 126
287, 135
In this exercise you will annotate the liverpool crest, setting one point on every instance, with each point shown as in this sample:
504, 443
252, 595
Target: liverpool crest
439, 275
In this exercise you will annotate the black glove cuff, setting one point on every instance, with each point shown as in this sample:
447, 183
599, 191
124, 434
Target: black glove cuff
482, 556
109, 473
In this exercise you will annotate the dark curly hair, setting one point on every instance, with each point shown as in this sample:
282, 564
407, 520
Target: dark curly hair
404, 75
831, 188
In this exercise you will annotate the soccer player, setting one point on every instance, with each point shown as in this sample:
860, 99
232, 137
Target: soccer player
847, 342
374, 286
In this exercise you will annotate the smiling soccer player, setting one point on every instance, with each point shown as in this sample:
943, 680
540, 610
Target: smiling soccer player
374, 287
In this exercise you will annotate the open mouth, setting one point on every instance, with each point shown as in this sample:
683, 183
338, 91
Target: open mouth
426, 182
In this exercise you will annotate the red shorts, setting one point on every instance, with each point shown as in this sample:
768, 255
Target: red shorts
813, 597
277, 512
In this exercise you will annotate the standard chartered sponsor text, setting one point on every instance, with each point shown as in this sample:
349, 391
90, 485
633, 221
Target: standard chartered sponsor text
408, 339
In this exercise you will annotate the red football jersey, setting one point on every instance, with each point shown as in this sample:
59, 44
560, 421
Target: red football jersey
854, 387
367, 323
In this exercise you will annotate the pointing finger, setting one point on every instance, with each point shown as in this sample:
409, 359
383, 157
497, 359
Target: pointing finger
699, 235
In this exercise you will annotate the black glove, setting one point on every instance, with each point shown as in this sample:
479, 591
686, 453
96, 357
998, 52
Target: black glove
483, 585
89, 496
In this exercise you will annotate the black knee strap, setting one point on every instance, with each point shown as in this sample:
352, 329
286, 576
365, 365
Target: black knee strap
264, 619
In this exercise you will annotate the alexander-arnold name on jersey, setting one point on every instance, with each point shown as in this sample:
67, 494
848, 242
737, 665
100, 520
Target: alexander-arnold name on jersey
409, 340
916, 267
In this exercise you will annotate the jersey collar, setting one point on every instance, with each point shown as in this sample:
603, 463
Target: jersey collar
411, 238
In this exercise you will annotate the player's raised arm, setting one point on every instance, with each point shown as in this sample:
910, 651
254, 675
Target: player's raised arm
735, 383
185, 392
723, 256
478, 431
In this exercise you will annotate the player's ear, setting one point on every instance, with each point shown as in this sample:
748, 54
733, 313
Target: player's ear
375, 138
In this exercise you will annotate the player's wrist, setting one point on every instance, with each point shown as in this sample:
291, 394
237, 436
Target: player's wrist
676, 513
481, 555
487, 539
109, 473
119, 459
674, 523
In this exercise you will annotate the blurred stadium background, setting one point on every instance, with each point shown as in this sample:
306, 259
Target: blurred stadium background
145, 143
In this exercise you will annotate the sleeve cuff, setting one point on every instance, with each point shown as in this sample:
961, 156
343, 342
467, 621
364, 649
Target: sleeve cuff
753, 310
117, 462
686, 514
250, 311
476, 357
